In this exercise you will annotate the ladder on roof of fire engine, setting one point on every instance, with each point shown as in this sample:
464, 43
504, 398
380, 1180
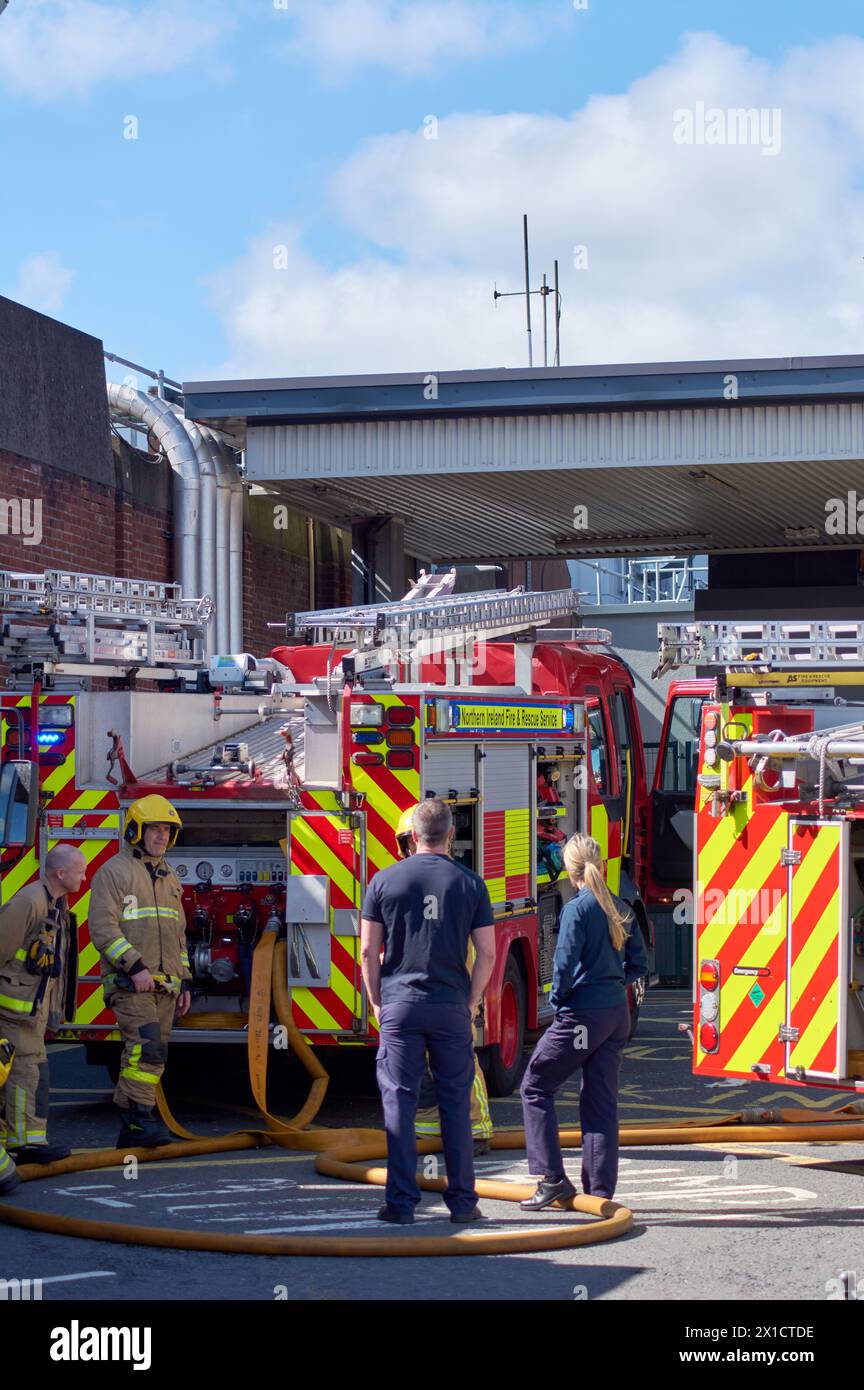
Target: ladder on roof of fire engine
793, 652
95, 620
381, 634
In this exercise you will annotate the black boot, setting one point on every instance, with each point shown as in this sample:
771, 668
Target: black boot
141, 1129
549, 1191
39, 1153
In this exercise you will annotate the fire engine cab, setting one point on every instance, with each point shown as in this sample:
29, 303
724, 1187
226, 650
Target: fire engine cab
291, 774
779, 851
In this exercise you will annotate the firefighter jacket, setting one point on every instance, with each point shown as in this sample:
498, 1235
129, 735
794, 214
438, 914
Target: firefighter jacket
137, 921
33, 911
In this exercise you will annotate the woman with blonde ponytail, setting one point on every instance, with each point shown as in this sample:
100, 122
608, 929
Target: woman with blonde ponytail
599, 952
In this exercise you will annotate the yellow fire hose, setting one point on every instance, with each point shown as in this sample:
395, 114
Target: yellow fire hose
351, 1154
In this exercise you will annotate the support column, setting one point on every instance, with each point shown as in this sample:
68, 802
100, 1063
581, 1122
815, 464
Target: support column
378, 560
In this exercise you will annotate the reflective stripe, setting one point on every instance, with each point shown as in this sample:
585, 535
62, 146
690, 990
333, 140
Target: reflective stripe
118, 948
17, 1006
132, 1072
135, 914
18, 1123
36, 1136
6, 1164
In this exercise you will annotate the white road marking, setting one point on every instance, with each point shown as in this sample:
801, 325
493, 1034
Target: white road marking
86, 1274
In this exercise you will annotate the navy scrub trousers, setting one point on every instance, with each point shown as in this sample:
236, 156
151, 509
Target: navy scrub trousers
554, 1061
408, 1029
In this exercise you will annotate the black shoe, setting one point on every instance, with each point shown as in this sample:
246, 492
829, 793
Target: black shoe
9, 1183
396, 1218
481, 1147
141, 1129
39, 1153
464, 1218
549, 1192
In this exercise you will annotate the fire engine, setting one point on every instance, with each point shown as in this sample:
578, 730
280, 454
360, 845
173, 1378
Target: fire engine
291, 773
779, 851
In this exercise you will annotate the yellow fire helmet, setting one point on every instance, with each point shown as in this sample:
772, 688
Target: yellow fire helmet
151, 810
406, 821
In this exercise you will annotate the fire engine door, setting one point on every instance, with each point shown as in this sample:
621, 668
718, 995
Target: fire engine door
324, 893
817, 955
508, 839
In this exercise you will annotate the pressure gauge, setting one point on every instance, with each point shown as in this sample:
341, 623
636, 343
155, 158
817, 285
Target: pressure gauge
204, 870
180, 870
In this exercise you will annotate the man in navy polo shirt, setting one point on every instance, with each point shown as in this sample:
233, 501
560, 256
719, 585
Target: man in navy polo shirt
422, 912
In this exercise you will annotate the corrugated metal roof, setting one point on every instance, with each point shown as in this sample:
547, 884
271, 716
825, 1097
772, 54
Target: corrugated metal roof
633, 510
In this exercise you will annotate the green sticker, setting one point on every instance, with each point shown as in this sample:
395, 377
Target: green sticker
757, 994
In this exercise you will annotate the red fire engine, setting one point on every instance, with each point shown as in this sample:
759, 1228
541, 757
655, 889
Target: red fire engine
291, 773
779, 852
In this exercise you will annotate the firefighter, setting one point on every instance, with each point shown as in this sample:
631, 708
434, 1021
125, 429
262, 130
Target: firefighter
428, 1122
138, 924
38, 985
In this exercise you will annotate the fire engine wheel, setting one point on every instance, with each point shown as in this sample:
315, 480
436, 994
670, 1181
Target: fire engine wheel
502, 1061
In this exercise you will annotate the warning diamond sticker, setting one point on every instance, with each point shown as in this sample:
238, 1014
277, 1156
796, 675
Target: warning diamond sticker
757, 994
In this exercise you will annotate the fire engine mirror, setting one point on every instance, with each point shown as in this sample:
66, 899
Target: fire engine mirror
19, 804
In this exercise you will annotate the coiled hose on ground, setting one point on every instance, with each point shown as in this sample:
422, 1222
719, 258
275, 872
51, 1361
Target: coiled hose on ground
352, 1153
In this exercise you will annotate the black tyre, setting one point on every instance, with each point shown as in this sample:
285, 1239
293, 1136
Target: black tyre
502, 1062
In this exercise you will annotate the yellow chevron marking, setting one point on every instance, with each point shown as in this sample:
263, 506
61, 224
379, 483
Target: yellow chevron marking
762, 1034
314, 1010
322, 855
91, 1008
341, 984
818, 1030
743, 893
804, 880
600, 827
26, 869
88, 959
90, 800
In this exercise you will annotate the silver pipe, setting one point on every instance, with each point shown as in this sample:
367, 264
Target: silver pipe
234, 546
173, 438
835, 748
207, 523
224, 469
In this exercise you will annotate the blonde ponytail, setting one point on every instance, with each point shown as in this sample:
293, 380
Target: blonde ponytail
584, 864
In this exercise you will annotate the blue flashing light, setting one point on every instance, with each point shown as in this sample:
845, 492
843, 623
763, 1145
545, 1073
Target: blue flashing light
47, 738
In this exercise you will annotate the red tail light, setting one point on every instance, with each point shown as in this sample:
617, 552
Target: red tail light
709, 1038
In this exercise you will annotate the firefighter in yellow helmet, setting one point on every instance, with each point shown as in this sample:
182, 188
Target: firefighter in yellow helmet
428, 1122
138, 925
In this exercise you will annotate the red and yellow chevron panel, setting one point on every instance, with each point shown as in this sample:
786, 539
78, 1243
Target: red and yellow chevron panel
817, 973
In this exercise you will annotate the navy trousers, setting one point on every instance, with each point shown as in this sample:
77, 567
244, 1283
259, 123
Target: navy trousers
408, 1031
590, 1040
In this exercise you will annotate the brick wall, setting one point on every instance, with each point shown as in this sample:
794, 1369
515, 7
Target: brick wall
84, 525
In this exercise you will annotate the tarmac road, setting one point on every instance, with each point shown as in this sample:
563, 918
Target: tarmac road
723, 1222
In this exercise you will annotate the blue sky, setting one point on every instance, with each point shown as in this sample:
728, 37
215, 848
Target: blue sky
300, 128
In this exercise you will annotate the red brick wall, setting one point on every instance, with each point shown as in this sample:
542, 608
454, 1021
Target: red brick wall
85, 526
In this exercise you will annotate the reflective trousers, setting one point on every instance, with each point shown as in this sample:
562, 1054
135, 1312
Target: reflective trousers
145, 1020
428, 1122
25, 1095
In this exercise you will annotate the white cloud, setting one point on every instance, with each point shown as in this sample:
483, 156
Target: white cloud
43, 282
693, 251
56, 48
411, 36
